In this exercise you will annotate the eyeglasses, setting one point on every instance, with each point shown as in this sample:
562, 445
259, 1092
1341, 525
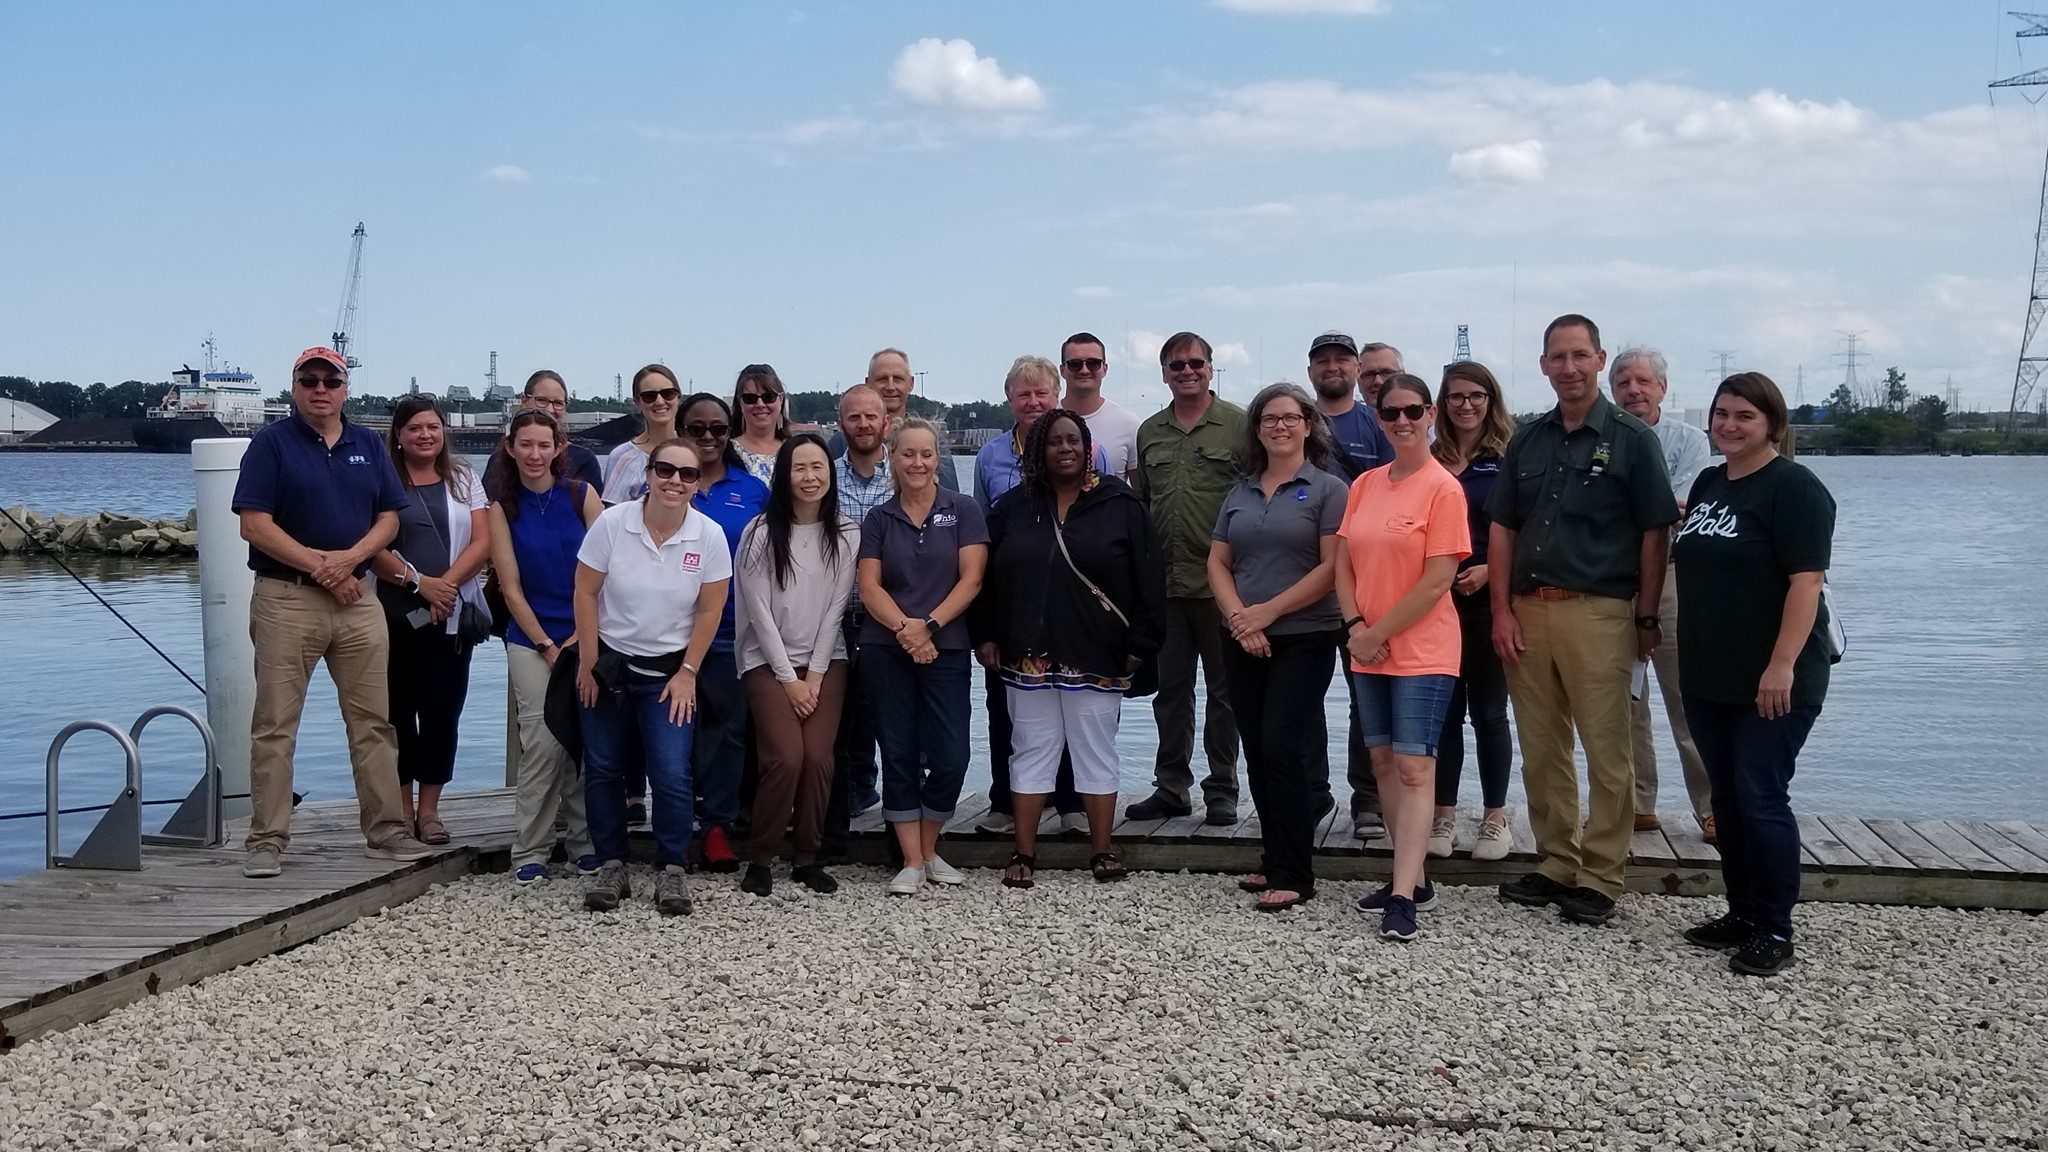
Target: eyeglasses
653, 395
323, 383
1379, 373
762, 398
1413, 412
1281, 420
1194, 365
538, 402
1465, 399
715, 431
1081, 364
663, 470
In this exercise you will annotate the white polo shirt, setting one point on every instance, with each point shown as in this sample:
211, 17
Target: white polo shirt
648, 605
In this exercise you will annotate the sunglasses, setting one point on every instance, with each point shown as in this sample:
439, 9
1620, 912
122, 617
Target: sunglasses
663, 470
715, 431
762, 398
1086, 364
650, 397
1195, 365
319, 384
1412, 411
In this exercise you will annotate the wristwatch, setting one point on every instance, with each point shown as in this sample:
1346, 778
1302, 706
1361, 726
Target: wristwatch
1649, 622
1354, 622
412, 579
931, 626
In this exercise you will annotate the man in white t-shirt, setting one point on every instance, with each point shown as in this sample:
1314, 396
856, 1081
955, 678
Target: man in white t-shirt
1640, 378
1083, 364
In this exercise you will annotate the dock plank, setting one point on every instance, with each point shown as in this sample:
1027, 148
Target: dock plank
1525, 833
2033, 839
1915, 847
1868, 846
968, 809
1651, 847
1828, 851
1957, 846
1689, 844
2003, 848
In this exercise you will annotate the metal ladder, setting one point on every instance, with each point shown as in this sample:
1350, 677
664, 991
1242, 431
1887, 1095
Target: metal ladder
115, 843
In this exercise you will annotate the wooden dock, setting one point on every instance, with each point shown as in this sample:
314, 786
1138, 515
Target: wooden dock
75, 944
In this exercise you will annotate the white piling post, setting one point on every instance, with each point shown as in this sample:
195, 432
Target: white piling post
225, 585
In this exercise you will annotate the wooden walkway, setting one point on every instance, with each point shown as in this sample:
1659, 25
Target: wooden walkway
75, 945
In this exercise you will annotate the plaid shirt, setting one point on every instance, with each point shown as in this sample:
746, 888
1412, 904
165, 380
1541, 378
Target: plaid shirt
859, 497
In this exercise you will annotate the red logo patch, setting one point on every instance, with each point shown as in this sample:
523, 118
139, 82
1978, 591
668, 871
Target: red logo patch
692, 561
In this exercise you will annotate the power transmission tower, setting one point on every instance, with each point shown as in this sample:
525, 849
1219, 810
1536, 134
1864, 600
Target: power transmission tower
1799, 389
1722, 357
1850, 359
618, 386
1463, 352
2031, 361
348, 322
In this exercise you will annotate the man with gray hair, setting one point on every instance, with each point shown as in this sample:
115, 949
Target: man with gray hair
1640, 378
890, 376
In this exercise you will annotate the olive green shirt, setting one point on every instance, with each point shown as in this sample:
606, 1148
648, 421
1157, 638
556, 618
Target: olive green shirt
1183, 476
1580, 501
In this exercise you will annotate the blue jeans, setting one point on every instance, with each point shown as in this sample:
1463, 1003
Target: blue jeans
1404, 711
720, 750
920, 713
1749, 762
608, 743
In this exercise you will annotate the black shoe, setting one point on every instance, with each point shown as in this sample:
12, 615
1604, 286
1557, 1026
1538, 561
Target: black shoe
1721, 933
1327, 805
1585, 906
815, 878
757, 880
1764, 955
1534, 890
1222, 814
1377, 901
1157, 806
636, 812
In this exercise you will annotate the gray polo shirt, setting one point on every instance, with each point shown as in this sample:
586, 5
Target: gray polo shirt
1273, 544
921, 563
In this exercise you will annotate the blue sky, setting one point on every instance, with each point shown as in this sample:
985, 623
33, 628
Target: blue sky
589, 188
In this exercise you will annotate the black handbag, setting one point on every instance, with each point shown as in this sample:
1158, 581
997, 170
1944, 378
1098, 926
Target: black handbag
475, 626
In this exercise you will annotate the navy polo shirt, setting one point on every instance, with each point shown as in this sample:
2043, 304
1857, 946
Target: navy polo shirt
1362, 445
738, 497
921, 566
324, 498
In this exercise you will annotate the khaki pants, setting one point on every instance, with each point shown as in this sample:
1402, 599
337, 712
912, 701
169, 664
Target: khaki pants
294, 627
1574, 673
548, 783
1643, 747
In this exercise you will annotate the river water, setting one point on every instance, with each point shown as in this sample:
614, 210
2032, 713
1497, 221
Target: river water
1938, 709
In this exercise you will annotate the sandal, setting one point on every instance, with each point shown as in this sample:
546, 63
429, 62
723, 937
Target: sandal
1256, 882
1107, 867
431, 832
1018, 873
1285, 899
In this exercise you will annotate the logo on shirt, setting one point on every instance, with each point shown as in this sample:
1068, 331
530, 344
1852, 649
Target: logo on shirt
735, 499
1402, 524
944, 519
359, 459
1710, 519
692, 561
1301, 495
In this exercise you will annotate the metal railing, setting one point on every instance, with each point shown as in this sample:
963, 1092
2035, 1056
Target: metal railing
115, 842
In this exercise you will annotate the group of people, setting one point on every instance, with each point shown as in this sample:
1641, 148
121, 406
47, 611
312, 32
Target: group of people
732, 619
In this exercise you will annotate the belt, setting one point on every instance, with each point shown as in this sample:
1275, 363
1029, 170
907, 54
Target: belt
1546, 592
291, 578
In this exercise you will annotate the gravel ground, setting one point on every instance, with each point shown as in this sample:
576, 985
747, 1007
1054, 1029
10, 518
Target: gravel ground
1160, 1013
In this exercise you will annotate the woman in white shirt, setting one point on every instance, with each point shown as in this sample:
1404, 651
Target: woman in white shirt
796, 566
651, 581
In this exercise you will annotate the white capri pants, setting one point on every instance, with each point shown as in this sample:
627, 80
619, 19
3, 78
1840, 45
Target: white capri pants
1045, 720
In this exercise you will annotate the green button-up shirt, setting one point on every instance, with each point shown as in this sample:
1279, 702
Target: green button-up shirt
1580, 501
1183, 476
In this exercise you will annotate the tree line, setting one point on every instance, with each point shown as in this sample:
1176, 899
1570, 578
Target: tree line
130, 399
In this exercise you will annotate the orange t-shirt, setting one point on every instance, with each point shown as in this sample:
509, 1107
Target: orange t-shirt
1390, 529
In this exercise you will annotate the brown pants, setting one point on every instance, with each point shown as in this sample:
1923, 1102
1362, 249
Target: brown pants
295, 627
1574, 672
794, 776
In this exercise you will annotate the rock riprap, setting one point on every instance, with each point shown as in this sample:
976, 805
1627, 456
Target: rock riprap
1159, 1013
107, 533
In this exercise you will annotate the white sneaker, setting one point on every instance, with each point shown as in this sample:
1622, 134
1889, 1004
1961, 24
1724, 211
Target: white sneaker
1074, 822
1440, 836
939, 872
907, 882
997, 823
1494, 841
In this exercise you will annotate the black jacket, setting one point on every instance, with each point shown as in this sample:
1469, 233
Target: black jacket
1031, 601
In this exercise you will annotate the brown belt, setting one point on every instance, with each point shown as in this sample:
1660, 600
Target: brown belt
1546, 592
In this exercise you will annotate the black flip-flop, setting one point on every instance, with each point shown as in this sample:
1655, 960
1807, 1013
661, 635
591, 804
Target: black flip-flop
1107, 868
1256, 882
1020, 860
1283, 905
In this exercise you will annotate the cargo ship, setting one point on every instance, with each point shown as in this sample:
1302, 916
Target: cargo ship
201, 403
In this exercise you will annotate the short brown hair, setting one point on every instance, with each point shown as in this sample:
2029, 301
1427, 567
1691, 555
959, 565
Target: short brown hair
1182, 340
1572, 320
1761, 391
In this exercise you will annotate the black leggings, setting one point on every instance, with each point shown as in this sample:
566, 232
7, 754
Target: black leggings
429, 676
1481, 691
1278, 701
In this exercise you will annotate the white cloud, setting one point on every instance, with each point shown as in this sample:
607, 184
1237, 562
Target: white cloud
950, 74
509, 173
1305, 7
1520, 163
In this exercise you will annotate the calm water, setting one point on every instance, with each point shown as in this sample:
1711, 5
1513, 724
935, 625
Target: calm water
1938, 710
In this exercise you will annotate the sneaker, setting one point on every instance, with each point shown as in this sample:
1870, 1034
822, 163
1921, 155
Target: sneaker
1222, 813
1398, 921
588, 863
1721, 933
718, 853
611, 887
529, 874
1368, 825
1074, 822
399, 847
672, 891
1764, 955
1158, 806
865, 801
263, 862
907, 882
1425, 898
1534, 890
1586, 906
997, 823
1495, 841
757, 880
1442, 835
636, 812
815, 878
938, 871
1648, 822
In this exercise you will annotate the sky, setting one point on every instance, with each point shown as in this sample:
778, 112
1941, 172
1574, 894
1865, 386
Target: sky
590, 188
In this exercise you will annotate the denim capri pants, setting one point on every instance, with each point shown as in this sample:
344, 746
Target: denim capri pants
1406, 712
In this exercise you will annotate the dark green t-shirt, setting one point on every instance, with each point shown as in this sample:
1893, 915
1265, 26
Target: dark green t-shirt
1736, 552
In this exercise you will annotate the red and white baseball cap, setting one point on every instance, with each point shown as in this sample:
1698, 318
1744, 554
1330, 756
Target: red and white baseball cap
329, 355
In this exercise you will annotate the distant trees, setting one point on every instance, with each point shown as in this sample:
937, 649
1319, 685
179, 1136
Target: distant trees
63, 399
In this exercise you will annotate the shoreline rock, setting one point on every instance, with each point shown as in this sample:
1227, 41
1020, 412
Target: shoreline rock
103, 533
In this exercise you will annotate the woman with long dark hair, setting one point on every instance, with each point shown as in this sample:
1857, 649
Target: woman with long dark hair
1753, 656
538, 520
795, 571
658, 398
1473, 426
761, 404
430, 571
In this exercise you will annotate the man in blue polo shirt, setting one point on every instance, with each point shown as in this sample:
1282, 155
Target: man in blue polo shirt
318, 497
